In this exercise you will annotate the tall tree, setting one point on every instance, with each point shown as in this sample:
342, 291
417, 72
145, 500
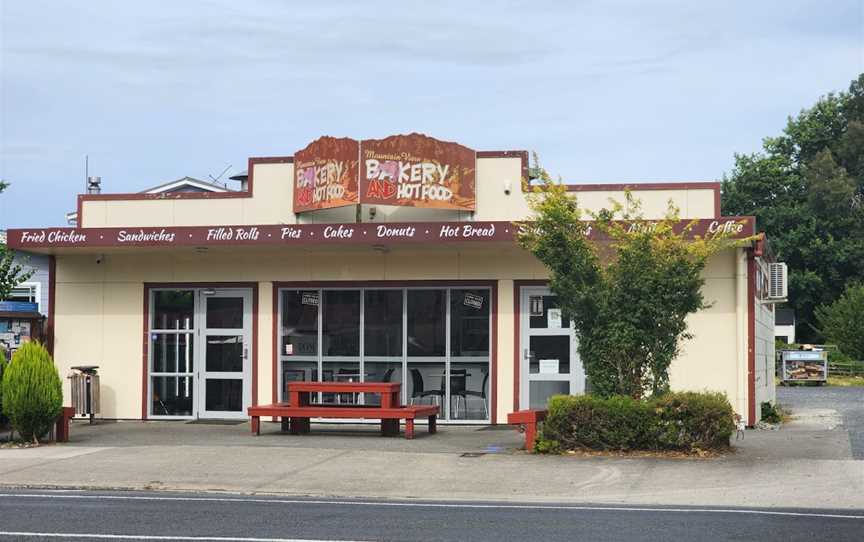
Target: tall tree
806, 189
628, 301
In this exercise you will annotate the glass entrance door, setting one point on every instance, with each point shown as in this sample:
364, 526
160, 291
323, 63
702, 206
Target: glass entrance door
549, 362
224, 380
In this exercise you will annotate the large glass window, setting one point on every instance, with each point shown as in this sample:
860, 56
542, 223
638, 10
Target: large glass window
434, 341
427, 311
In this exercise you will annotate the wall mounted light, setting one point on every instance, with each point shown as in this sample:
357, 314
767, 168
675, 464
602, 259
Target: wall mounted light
508, 187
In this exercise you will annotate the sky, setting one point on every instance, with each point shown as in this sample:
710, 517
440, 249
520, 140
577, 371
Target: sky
611, 91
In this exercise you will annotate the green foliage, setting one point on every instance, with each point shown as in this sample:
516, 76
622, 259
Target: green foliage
3, 185
3, 419
685, 421
32, 392
842, 322
806, 189
771, 413
11, 273
629, 293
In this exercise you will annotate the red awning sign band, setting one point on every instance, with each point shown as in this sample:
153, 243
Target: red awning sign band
315, 234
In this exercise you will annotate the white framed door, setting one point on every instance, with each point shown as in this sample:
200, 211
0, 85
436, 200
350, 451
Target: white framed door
549, 362
225, 351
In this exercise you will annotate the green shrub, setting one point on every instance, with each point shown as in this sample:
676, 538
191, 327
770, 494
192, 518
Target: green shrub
32, 392
691, 420
3, 419
771, 413
673, 421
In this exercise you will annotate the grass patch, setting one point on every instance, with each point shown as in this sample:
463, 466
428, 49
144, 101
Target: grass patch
845, 381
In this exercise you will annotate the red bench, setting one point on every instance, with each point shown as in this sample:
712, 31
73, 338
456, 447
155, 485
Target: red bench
527, 419
298, 411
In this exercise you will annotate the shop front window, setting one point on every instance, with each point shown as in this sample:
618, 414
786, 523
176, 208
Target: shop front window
434, 341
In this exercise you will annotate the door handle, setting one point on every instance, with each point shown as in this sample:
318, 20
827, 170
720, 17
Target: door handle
245, 353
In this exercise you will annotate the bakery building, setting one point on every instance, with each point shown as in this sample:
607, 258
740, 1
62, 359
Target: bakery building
385, 260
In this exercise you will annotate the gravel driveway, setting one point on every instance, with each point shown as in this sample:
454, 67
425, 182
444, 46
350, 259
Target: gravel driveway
848, 402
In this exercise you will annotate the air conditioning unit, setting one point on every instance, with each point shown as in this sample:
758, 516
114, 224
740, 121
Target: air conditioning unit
778, 281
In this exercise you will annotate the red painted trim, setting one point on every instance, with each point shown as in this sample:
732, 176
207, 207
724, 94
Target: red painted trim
52, 299
751, 337
493, 337
255, 344
493, 355
276, 346
145, 369
644, 186
139, 196
517, 333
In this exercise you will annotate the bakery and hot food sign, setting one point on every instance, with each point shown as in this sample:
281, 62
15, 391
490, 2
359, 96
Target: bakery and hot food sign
406, 170
326, 174
417, 171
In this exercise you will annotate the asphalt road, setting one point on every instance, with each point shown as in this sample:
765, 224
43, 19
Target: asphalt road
848, 402
34, 515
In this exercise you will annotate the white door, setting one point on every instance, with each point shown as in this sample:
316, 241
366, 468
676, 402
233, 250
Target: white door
225, 374
549, 363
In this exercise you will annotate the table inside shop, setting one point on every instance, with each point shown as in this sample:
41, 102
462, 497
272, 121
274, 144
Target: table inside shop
297, 413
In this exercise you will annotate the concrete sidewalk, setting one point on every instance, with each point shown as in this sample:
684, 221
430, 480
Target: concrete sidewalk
807, 464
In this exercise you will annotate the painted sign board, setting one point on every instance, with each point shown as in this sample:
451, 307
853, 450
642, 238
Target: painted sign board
326, 173
18, 306
418, 171
309, 234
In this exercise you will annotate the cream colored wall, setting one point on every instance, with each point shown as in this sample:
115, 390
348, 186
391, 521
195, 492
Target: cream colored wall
99, 308
499, 197
710, 360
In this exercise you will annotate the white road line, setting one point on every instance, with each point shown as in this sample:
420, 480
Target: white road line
437, 505
148, 537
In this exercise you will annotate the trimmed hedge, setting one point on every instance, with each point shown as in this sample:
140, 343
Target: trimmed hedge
685, 421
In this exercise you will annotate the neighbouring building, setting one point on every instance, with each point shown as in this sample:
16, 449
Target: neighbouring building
784, 325
24, 310
389, 259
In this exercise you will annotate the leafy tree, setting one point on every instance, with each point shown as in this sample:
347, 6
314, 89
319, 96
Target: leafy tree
628, 297
806, 189
842, 322
11, 273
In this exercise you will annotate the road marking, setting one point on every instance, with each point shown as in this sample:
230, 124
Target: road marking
588, 508
150, 537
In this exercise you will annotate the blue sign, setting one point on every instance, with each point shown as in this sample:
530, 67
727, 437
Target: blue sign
18, 306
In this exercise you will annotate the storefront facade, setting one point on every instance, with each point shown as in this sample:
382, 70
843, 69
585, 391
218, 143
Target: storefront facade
386, 260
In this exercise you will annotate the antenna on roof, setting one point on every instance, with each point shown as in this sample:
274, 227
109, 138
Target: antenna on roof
216, 179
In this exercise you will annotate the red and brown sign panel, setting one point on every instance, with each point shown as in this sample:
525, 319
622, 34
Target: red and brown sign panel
417, 171
318, 234
325, 174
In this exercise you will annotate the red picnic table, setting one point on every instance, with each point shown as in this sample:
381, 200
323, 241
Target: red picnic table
300, 408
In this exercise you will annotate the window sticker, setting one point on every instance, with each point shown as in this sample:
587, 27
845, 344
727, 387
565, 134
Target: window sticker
473, 300
535, 303
553, 319
310, 298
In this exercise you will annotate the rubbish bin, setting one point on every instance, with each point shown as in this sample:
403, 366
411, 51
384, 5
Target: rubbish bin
85, 391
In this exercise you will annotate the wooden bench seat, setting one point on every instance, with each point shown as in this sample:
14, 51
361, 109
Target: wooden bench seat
296, 419
528, 420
